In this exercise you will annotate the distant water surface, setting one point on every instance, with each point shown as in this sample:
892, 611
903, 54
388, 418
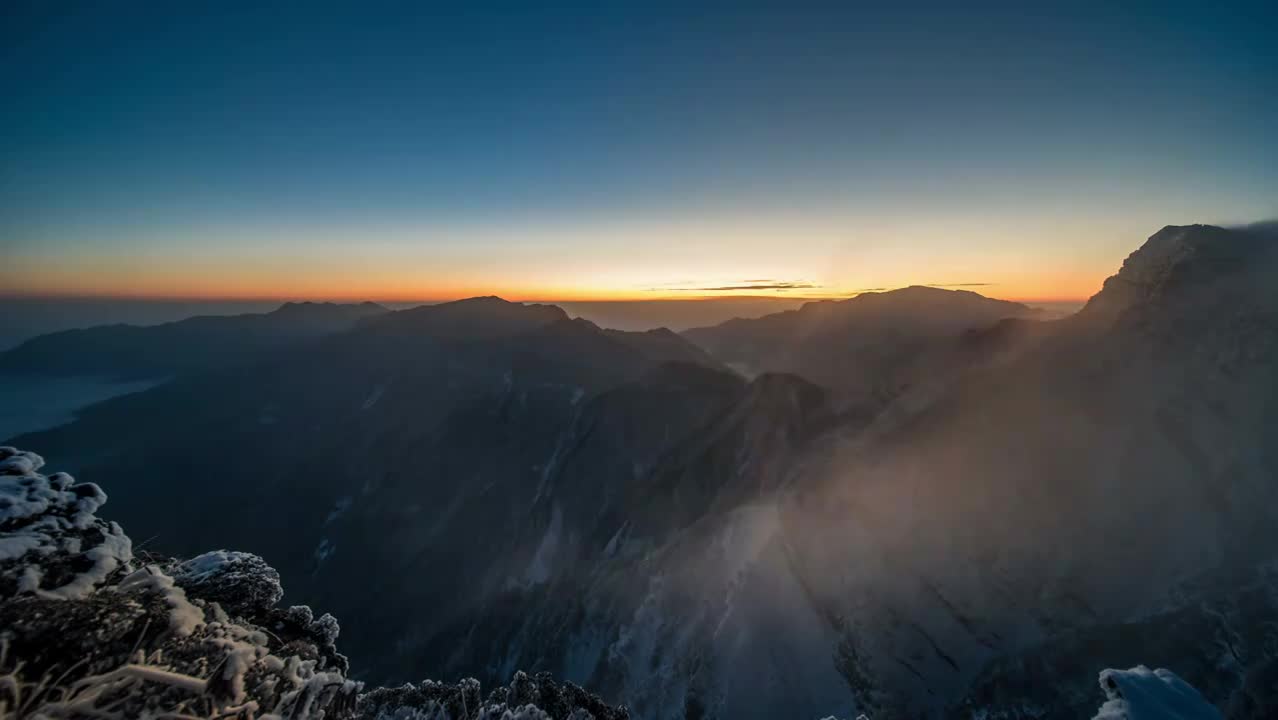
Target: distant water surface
30, 403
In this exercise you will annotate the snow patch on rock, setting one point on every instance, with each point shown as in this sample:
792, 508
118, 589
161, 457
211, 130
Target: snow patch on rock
1144, 694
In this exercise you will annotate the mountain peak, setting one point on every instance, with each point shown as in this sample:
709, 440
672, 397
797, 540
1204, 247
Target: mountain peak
487, 316
912, 300
482, 300
1179, 257
292, 307
932, 293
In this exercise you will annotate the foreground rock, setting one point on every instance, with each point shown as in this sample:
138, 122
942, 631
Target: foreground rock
92, 629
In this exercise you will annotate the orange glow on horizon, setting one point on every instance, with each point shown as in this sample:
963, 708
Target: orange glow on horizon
622, 260
362, 277
400, 295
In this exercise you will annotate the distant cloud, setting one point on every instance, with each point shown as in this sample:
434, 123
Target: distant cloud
1262, 227
760, 284
675, 284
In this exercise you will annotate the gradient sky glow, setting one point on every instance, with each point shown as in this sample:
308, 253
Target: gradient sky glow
426, 151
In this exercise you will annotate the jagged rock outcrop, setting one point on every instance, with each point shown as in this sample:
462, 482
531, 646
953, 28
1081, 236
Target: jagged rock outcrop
242, 583
1185, 260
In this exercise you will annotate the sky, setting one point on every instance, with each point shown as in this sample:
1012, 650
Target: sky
595, 151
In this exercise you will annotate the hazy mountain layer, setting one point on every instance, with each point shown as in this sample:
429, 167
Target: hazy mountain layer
865, 348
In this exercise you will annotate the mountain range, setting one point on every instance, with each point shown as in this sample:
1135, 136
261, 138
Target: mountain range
907, 504
201, 343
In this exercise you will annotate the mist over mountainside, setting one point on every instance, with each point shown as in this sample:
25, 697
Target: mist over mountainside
863, 347
1093, 478
211, 342
917, 503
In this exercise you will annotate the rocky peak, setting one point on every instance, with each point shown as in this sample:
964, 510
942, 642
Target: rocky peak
1179, 259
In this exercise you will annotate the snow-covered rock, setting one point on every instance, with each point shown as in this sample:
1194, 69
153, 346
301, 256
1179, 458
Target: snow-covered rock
1144, 694
240, 582
51, 542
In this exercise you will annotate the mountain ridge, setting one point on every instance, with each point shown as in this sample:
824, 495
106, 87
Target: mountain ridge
202, 342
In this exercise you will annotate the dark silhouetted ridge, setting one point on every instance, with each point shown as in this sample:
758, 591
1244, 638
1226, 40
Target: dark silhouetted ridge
205, 342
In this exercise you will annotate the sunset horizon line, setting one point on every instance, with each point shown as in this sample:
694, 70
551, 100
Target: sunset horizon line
518, 297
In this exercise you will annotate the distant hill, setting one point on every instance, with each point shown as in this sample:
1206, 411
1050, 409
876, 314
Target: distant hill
207, 342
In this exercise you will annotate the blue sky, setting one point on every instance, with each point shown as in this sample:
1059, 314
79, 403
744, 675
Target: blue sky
606, 149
